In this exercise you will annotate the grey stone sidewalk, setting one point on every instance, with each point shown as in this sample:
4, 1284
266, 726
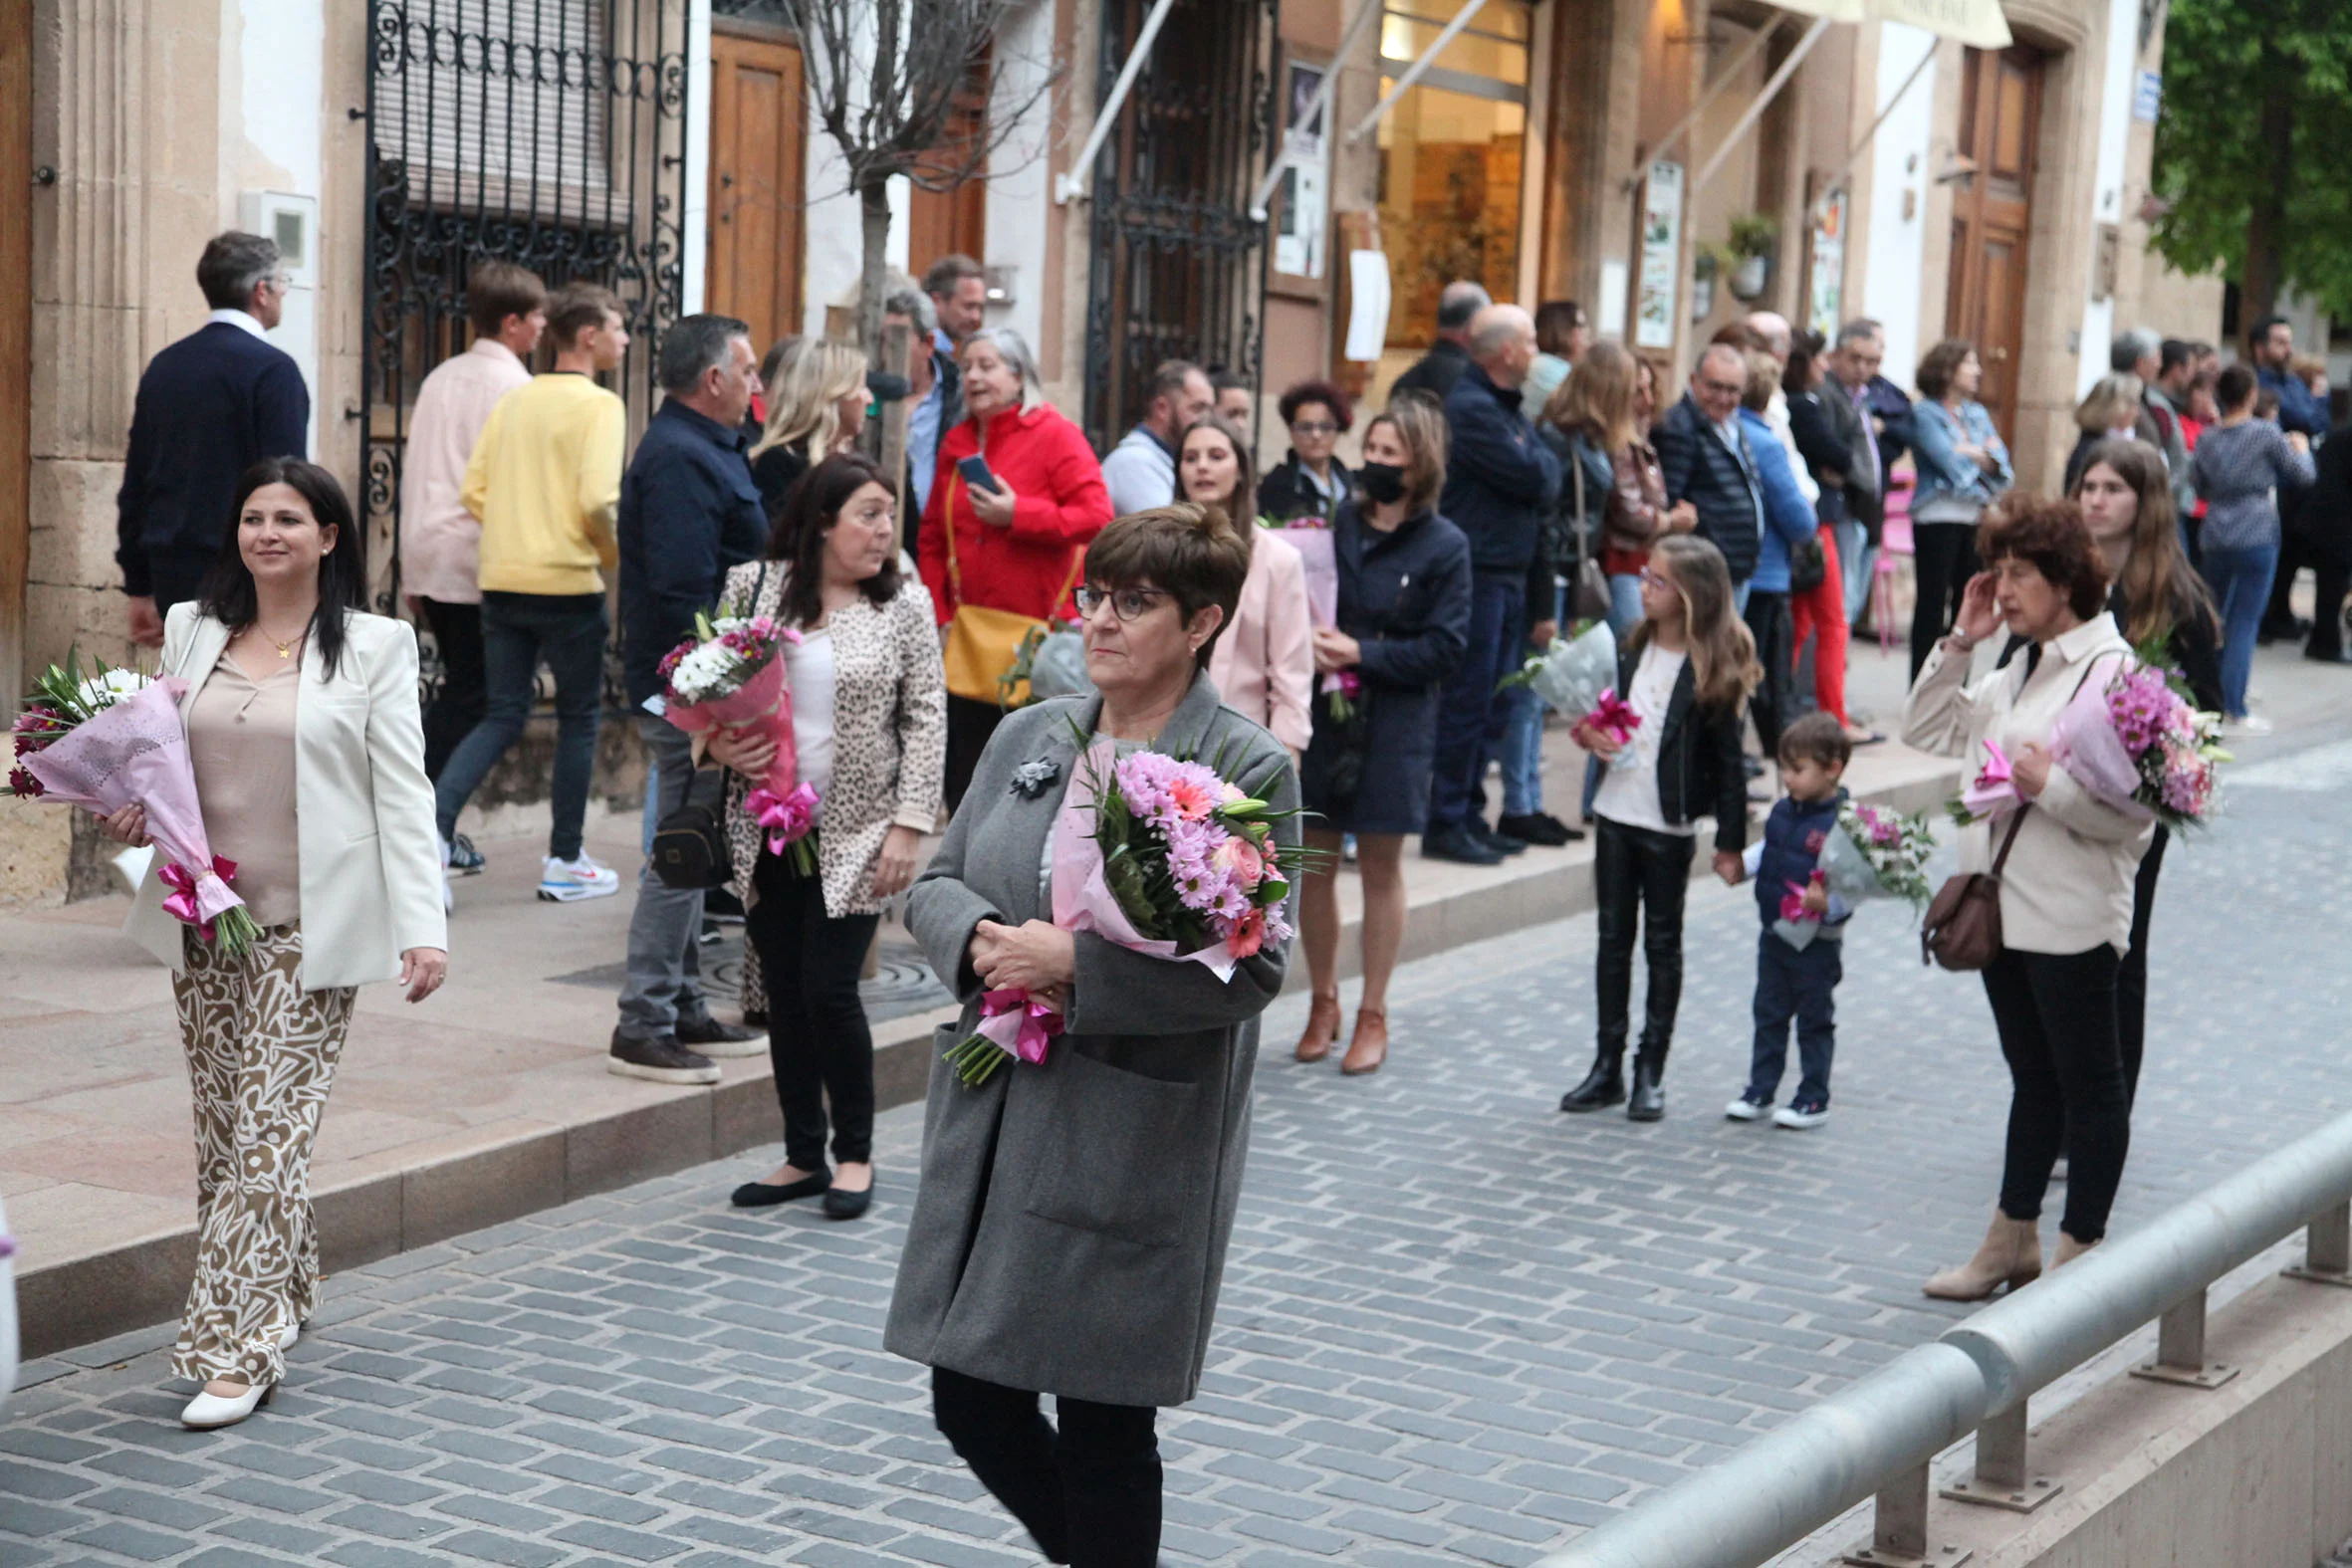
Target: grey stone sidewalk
1457, 1326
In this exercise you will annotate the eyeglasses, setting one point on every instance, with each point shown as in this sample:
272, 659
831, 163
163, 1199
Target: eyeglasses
1315, 427
1658, 580
1125, 603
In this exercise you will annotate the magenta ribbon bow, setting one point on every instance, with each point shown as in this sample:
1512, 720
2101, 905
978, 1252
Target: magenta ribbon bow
1613, 716
786, 817
1993, 789
1793, 902
1019, 1022
181, 905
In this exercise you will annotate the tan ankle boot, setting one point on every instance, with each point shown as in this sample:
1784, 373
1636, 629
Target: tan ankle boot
1367, 1048
1323, 1028
2069, 1250
2011, 1255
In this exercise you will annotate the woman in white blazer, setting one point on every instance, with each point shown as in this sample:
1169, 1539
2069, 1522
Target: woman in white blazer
302, 719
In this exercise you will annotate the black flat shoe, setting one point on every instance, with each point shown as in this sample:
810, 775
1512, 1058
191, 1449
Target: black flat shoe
761, 1195
842, 1204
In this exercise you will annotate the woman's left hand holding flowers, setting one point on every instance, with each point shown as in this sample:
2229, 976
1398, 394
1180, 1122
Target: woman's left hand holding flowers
2029, 770
1035, 957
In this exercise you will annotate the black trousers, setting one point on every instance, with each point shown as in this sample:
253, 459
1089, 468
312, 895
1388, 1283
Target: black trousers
2131, 975
1943, 559
1768, 623
817, 1040
1638, 874
463, 698
969, 725
2056, 1016
1087, 1493
2278, 617
2331, 584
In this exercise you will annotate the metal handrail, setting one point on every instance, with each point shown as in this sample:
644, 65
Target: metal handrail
1876, 1437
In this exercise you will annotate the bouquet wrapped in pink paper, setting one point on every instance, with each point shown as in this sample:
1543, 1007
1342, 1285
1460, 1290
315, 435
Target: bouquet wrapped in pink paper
730, 675
116, 740
1990, 793
2140, 747
1312, 537
1161, 855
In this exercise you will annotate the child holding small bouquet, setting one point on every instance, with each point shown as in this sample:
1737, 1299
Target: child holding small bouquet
1685, 673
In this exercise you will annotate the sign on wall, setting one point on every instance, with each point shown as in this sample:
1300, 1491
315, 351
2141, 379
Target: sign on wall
1298, 231
1661, 257
1825, 295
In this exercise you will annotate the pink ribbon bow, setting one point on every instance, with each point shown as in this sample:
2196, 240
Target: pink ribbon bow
184, 904
1793, 902
1020, 1023
1993, 790
786, 817
1613, 716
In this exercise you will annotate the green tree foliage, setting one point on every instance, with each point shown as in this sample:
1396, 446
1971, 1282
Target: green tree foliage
2251, 150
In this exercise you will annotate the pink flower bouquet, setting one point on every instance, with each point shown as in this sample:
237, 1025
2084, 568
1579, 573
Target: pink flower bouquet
116, 740
1990, 793
2138, 746
1162, 855
1341, 688
730, 675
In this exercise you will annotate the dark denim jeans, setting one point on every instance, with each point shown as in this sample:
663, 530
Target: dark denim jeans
460, 703
1469, 715
1639, 877
664, 984
2241, 581
565, 631
1799, 984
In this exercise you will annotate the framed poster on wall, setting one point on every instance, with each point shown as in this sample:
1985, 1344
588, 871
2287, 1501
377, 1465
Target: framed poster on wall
1298, 233
1660, 278
1826, 264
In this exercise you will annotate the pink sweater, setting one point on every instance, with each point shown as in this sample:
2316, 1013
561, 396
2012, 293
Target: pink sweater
1264, 664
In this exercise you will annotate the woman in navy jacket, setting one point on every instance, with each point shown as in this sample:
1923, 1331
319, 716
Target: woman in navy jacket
1404, 623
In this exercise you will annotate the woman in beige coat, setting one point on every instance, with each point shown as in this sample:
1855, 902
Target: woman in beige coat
302, 719
2066, 886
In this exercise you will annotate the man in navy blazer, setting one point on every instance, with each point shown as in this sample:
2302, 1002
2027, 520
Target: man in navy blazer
1706, 460
209, 407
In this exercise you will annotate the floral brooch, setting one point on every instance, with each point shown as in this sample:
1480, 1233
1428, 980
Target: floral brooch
1030, 778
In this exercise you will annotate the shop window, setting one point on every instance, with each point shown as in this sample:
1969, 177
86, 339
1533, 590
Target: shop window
1451, 154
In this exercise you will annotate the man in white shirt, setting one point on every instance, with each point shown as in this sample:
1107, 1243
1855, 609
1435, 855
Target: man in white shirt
440, 542
1141, 470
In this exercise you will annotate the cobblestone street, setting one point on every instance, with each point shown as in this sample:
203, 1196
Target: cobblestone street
1457, 1326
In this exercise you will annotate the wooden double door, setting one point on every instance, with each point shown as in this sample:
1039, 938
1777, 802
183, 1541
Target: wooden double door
1991, 218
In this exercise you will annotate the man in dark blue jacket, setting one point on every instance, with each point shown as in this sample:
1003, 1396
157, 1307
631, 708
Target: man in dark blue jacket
1707, 461
1499, 480
209, 407
688, 511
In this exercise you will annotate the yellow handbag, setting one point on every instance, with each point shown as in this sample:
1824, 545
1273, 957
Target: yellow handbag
981, 642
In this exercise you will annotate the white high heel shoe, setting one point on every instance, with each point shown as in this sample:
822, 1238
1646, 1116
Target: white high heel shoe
208, 1409
291, 1337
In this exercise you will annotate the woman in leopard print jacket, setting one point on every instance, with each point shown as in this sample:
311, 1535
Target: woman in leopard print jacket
869, 724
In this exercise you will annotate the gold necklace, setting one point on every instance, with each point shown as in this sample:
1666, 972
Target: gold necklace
286, 648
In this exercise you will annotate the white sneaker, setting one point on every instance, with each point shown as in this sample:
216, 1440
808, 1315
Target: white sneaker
207, 1411
1745, 1109
1800, 1115
2252, 723
569, 881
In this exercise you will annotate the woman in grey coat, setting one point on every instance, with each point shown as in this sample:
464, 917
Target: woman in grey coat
1069, 1232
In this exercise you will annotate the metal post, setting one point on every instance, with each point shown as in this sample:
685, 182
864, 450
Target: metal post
1074, 182
2327, 1253
2002, 1478
2180, 1350
1764, 99
1364, 12
1723, 78
1363, 127
1899, 1529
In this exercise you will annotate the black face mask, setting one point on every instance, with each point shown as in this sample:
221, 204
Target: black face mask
1383, 482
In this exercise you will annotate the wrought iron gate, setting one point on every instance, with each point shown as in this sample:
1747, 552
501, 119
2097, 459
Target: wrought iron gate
546, 132
1179, 269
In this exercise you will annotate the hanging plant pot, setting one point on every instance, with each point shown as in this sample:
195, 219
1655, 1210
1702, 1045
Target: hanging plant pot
1702, 296
1751, 275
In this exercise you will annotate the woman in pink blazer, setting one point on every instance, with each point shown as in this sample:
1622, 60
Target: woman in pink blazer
1263, 663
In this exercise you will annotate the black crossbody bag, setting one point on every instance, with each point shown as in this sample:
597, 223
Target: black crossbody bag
690, 845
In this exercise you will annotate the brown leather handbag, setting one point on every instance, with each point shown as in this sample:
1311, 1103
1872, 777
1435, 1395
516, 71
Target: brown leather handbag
1962, 929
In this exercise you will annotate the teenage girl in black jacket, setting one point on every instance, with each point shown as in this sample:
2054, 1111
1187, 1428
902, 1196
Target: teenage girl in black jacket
1687, 671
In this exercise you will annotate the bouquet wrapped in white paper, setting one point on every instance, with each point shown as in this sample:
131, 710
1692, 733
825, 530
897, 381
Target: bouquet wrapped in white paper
1572, 674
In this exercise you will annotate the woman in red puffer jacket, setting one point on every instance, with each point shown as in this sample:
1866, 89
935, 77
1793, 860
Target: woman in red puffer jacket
1019, 547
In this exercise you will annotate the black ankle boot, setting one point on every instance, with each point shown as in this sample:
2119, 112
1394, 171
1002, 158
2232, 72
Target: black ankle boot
1648, 1103
1603, 1086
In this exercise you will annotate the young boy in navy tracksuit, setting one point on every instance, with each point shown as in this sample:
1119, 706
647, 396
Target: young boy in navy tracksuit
1800, 958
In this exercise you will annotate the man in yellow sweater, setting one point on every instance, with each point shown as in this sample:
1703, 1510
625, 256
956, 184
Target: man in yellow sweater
544, 482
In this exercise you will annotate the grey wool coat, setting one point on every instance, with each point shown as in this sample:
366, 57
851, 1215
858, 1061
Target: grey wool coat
1068, 1236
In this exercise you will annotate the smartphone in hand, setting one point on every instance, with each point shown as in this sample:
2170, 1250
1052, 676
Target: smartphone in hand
976, 473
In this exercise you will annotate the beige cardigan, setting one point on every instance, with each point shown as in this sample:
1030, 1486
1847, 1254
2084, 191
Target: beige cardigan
2067, 886
1264, 664
371, 855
